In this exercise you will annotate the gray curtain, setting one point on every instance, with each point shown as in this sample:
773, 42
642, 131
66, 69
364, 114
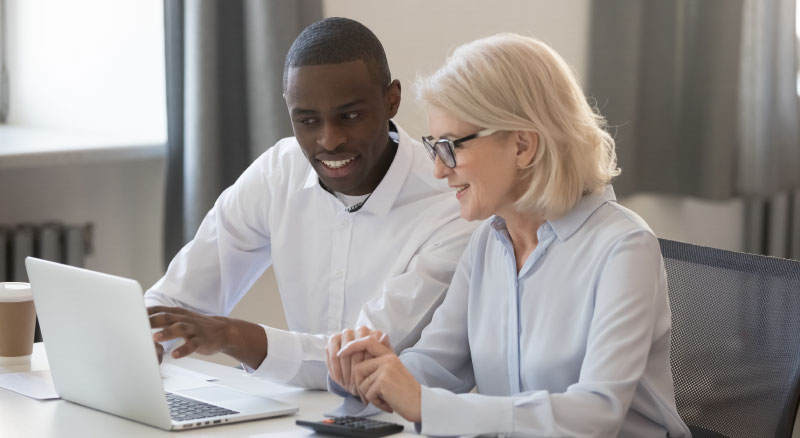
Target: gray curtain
701, 96
224, 62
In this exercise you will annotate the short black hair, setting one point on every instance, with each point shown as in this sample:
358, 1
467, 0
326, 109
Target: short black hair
337, 40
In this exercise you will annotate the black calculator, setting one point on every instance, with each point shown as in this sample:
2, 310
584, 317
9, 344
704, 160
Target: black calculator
352, 426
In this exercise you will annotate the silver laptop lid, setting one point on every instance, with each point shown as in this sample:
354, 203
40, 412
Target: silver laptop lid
98, 342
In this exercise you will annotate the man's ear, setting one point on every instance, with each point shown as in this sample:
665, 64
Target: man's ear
527, 145
393, 98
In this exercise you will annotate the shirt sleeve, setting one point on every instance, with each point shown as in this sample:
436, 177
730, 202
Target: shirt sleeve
408, 301
629, 287
294, 358
403, 309
227, 255
442, 358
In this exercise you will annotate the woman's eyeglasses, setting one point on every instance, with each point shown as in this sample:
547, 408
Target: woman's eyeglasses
445, 148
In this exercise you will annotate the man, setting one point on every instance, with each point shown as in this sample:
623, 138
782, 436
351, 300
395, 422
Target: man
348, 212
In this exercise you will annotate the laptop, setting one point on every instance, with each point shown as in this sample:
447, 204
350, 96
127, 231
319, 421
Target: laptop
101, 353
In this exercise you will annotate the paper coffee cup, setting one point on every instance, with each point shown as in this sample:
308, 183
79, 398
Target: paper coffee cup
17, 323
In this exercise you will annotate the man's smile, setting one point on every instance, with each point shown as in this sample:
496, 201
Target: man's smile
338, 167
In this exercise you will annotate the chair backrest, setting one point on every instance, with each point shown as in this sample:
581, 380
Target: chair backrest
735, 350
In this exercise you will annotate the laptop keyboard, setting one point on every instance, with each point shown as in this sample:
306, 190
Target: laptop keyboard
183, 409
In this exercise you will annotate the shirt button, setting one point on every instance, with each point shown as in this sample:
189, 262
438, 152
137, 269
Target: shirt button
345, 223
337, 274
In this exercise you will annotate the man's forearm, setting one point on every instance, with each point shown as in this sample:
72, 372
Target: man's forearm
245, 342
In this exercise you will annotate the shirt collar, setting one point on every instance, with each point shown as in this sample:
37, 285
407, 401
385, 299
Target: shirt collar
567, 225
312, 180
382, 199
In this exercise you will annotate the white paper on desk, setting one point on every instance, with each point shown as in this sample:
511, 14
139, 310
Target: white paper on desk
172, 370
34, 384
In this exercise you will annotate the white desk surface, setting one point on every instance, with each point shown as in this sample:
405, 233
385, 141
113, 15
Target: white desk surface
22, 417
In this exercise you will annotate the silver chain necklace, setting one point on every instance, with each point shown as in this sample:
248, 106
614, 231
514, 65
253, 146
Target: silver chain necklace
357, 206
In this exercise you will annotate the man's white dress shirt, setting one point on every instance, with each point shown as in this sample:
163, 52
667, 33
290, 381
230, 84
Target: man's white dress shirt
386, 266
576, 344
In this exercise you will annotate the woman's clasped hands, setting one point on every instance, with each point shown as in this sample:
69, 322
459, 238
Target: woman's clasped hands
363, 363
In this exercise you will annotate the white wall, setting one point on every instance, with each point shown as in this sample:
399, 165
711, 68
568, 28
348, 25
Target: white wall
419, 34
122, 200
719, 224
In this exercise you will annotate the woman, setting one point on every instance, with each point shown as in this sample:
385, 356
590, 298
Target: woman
558, 312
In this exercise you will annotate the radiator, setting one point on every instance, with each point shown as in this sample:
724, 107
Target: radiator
63, 243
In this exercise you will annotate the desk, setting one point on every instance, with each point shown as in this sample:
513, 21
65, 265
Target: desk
21, 416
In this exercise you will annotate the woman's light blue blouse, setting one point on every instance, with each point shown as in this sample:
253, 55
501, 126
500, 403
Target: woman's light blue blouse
576, 344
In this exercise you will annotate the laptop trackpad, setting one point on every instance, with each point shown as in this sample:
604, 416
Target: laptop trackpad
215, 394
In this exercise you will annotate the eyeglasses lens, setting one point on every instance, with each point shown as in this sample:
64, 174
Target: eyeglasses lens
429, 148
445, 154
442, 149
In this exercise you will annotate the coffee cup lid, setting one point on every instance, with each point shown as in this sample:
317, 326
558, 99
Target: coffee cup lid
13, 292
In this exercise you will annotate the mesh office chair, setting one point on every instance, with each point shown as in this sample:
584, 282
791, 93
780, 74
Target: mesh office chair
735, 340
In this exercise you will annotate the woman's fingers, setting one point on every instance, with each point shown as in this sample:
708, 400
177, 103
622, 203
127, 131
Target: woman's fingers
384, 339
364, 386
387, 383
365, 373
368, 344
332, 359
354, 360
362, 331
373, 392
347, 350
358, 357
347, 336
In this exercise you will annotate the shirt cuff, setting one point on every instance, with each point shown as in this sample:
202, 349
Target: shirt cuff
337, 389
284, 356
445, 413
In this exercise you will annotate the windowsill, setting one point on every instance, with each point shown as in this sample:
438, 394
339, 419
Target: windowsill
34, 147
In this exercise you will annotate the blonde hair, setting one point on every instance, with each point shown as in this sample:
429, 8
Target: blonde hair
511, 82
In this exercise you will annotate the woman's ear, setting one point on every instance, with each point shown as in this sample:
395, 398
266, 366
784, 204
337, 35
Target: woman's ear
527, 145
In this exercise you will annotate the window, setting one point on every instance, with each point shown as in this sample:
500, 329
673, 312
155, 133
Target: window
797, 46
88, 66
3, 69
